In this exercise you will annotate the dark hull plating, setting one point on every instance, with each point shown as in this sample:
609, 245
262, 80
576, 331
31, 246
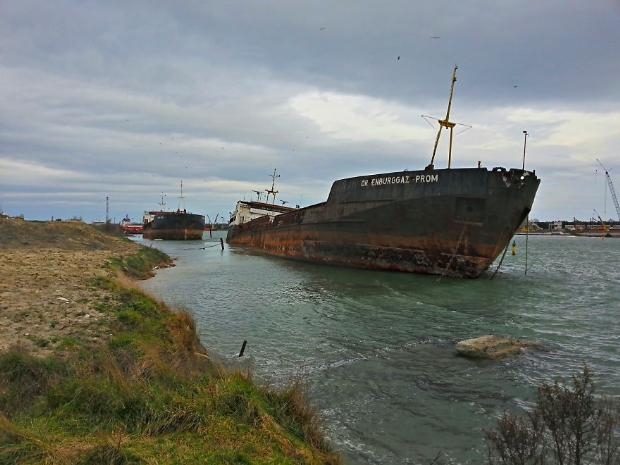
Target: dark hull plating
451, 222
174, 226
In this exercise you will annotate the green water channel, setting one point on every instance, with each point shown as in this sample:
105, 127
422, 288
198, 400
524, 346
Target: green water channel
376, 349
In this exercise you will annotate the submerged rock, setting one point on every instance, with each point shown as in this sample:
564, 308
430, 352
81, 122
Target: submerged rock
491, 347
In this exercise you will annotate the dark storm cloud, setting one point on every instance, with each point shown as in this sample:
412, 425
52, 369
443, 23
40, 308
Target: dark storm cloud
126, 99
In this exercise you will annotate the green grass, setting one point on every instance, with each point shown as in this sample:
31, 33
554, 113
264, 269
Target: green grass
148, 395
140, 265
24, 378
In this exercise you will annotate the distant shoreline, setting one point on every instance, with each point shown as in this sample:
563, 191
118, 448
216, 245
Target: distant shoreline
612, 234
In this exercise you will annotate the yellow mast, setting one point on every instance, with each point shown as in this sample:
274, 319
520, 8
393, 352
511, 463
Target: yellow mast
445, 123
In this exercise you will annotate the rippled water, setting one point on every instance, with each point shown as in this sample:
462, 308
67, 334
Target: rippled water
376, 349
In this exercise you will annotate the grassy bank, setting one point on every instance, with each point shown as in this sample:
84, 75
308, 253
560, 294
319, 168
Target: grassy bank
147, 393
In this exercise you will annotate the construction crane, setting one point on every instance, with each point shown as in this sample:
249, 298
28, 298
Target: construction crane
603, 225
611, 188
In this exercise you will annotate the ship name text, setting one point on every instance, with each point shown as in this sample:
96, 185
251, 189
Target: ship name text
387, 180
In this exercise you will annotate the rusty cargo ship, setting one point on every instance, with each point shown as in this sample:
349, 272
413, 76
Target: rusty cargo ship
173, 225
448, 222
179, 225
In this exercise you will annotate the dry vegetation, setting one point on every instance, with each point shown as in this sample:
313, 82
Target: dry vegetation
130, 383
569, 425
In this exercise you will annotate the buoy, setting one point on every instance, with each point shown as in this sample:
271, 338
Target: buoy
514, 248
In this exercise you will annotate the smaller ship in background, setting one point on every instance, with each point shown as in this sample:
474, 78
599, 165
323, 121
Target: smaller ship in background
130, 228
179, 225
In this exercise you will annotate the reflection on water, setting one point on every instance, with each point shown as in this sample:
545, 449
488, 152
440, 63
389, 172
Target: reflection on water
376, 348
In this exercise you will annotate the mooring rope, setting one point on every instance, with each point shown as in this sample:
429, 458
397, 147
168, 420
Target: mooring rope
527, 236
500, 262
208, 246
205, 247
458, 244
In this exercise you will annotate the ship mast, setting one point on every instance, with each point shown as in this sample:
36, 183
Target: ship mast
181, 198
273, 183
445, 123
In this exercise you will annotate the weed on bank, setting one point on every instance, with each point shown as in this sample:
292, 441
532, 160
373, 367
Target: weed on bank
149, 394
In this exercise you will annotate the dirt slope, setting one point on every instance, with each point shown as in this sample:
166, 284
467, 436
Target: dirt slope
47, 291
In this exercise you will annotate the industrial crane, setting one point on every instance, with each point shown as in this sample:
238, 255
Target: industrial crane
611, 188
603, 225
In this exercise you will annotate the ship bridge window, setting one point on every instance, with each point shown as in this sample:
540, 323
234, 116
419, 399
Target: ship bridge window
470, 210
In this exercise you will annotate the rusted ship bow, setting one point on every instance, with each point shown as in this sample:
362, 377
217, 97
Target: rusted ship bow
452, 221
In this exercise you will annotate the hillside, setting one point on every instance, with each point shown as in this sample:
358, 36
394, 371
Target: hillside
93, 371
64, 235
46, 293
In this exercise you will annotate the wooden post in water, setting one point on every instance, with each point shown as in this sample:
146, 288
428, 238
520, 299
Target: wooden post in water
242, 348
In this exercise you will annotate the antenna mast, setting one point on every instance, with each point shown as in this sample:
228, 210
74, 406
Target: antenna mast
273, 183
445, 123
107, 209
181, 198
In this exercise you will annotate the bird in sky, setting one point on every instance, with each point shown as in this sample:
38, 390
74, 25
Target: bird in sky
398, 59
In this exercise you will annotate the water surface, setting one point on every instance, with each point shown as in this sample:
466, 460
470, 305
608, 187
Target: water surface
376, 349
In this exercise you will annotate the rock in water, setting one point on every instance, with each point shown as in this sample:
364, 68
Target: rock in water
490, 347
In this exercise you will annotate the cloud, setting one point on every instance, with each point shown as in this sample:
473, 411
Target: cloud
573, 130
17, 173
126, 100
357, 118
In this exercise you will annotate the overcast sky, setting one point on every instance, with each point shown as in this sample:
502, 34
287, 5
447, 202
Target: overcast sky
127, 99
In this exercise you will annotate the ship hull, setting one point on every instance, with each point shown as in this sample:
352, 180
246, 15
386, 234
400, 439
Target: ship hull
451, 222
131, 229
179, 226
